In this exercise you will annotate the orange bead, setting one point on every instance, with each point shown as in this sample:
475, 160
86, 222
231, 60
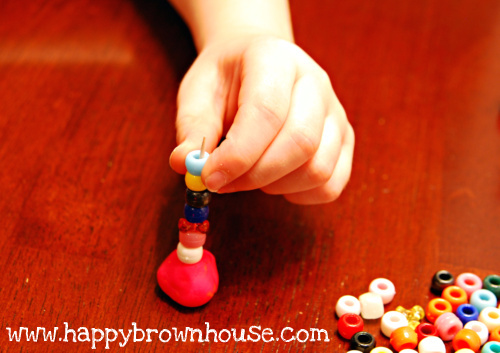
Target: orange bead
456, 296
495, 334
437, 307
403, 338
466, 338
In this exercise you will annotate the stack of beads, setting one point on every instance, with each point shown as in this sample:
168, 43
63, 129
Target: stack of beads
189, 275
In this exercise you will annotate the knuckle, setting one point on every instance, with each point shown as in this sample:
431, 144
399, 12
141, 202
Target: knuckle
307, 143
320, 174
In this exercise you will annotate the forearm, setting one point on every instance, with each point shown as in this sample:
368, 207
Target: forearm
217, 20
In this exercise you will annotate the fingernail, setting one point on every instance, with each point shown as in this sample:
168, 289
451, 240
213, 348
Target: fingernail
215, 181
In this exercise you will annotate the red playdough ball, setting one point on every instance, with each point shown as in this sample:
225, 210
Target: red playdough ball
189, 285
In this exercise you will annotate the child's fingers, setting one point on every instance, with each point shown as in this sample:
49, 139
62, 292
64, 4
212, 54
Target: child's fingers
264, 99
199, 113
332, 189
296, 143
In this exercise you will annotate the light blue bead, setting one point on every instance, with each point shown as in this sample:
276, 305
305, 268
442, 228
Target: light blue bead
491, 347
194, 164
483, 298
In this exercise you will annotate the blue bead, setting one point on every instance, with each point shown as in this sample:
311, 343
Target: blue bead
467, 312
194, 214
491, 347
194, 164
483, 298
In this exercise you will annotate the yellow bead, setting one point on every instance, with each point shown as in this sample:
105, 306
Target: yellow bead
418, 313
413, 324
194, 182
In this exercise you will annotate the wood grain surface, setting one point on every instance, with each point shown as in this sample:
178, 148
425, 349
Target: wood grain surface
89, 206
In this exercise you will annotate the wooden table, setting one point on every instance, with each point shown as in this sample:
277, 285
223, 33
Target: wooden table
89, 206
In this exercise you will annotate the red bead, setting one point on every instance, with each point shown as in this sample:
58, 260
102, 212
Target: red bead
185, 225
192, 239
349, 324
425, 330
404, 338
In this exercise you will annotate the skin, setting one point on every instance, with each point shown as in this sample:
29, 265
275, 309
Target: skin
285, 130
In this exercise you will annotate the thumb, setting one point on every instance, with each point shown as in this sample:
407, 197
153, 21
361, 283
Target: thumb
199, 114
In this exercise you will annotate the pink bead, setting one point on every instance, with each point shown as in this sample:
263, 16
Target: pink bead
192, 239
469, 282
448, 325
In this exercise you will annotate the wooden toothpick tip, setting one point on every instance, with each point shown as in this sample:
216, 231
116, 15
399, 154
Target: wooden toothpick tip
202, 148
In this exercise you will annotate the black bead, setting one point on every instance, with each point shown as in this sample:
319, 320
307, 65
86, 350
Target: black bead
362, 341
198, 199
440, 281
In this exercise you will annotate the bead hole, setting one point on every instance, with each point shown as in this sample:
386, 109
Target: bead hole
394, 319
352, 320
365, 339
468, 311
469, 282
444, 277
483, 297
382, 286
349, 303
455, 294
427, 330
493, 315
495, 348
495, 281
453, 331
461, 344
440, 307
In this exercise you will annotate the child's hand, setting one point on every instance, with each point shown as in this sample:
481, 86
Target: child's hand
286, 132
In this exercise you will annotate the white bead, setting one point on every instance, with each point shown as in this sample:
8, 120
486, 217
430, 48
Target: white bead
372, 306
490, 317
347, 304
408, 351
380, 350
189, 255
354, 352
480, 329
384, 288
465, 350
391, 321
431, 344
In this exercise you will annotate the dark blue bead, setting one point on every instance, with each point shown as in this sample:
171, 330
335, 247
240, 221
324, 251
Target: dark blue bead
362, 341
467, 312
195, 214
440, 281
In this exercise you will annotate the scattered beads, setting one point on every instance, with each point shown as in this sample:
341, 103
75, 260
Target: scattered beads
492, 283
483, 298
384, 288
392, 320
404, 338
480, 329
349, 324
348, 304
440, 281
469, 282
363, 342
467, 312
448, 325
466, 338
372, 306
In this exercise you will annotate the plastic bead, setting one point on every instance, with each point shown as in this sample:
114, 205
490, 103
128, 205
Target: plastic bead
185, 226
495, 334
492, 283
431, 344
408, 351
195, 164
483, 298
456, 296
404, 338
448, 325
380, 350
469, 282
363, 342
192, 239
425, 330
354, 351
347, 304
189, 255
490, 317
198, 198
194, 182
437, 307
465, 350
466, 338
349, 324
480, 329
195, 215
491, 347
414, 315
392, 320
467, 312
372, 306
440, 281
384, 288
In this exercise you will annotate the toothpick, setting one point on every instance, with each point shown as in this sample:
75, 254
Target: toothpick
202, 149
